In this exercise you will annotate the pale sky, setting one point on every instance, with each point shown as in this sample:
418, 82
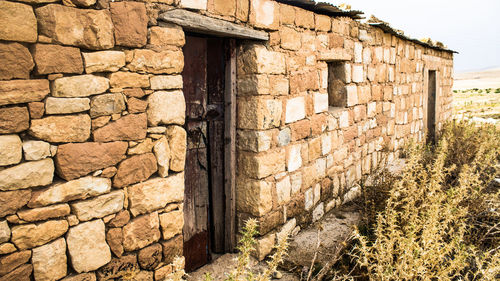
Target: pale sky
471, 28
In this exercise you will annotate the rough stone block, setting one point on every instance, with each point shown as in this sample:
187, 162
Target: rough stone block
194, 4
44, 213
87, 28
304, 18
135, 169
254, 196
141, 232
166, 36
16, 61
322, 22
130, 22
13, 120
23, 91
129, 127
4, 232
261, 165
150, 257
295, 109
36, 150
129, 80
21, 273
103, 61
10, 150
258, 113
12, 261
256, 141
76, 189
352, 95
32, 235
155, 194
28, 174
50, 261
171, 224
87, 246
320, 102
166, 108
67, 128
258, 59
136, 105
283, 190
50, 58
99, 207
66, 105
293, 157
162, 153
357, 74
17, 22
264, 14
290, 38
79, 86
163, 62
79, 159
166, 82
11, 201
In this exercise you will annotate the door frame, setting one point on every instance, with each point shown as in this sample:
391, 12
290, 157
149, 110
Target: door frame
230, 147
427, 96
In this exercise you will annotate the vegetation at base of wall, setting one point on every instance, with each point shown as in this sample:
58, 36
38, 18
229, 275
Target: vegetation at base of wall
246, 245
440, 219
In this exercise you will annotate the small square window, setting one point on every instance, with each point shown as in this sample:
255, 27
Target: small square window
337, 80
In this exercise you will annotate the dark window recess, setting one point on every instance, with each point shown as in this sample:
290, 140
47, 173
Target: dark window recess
431, 106
337, 94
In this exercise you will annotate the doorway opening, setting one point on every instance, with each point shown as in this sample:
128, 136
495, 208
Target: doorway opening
209, 216
431, 106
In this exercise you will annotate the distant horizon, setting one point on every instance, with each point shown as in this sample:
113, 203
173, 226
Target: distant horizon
476, 36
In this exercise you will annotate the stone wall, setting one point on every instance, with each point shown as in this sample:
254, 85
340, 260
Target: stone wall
92, 144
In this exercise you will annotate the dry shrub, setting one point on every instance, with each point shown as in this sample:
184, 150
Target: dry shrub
440, 219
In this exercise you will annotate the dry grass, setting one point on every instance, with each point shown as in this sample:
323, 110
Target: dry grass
440, 219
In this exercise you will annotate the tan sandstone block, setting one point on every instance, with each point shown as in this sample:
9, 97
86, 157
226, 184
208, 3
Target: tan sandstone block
129, 127
287, 14
10, 150
163, 62
166, 35
150, 257
256, 58
90, 29
4, 232
68, 128
114, 238
130, 22
166, 108
7, 248
166, 82
155, 194
44, 213
194, 4
263, 164
79, 86
135, 169
17, 22
222, 7
66, 105
258, 113
264, 14
129, 80
12, 261
290, 38
103, 61
171, 224
141, 232
22, 91
76, 189
21, 273
50, 261
50, 58
16, 61
254, 196
99, 207
323, 23
87, 246
13, 119
304, 18
177, 138
11, 201
28, 174
162, 153
32, 235
79, 159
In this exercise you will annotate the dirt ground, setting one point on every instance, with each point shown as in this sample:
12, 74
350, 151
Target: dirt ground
476, 96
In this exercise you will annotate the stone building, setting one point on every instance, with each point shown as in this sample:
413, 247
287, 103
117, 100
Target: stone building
133, 132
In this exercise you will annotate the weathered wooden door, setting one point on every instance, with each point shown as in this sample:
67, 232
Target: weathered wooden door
205, 192
431, 106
